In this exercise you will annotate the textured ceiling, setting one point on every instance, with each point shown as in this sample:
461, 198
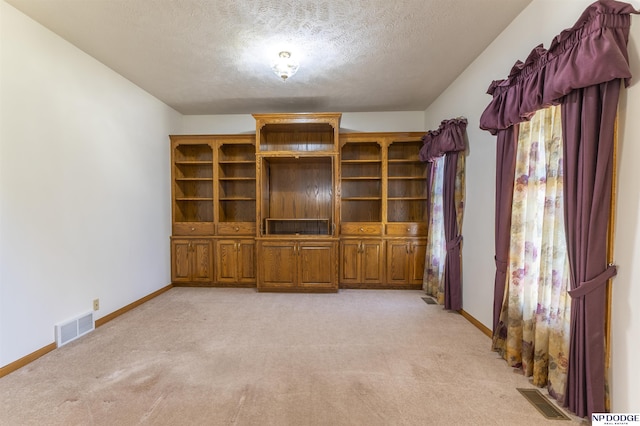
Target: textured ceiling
214, 56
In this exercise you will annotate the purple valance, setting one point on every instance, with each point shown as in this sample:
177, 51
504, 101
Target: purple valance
450, 137
593, 51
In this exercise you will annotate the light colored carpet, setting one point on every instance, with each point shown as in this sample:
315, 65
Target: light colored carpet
208, 356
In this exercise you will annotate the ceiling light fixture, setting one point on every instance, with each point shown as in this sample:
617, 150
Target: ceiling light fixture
285, 66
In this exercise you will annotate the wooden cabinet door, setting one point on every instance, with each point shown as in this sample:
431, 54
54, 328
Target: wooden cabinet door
317, 262
235, 262
398, 262
362, 262
227, 261
246, 261
180, 261
418, 253
278, 264
202, 260
191, 261
350, 262
372, 262
405, 262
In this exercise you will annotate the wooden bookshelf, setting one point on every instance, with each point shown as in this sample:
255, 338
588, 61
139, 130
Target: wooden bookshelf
299, 206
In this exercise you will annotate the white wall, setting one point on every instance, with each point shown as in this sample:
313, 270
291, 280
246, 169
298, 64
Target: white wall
84, 184
539, 23
217, 124
393, 121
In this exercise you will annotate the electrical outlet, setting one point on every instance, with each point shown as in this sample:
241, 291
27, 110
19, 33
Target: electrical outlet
96, 304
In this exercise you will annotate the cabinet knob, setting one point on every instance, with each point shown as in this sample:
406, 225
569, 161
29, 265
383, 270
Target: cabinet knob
236, 228
193, 229
408, 229
361, 229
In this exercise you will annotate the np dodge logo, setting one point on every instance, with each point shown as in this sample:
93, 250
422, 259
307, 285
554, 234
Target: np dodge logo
598, 419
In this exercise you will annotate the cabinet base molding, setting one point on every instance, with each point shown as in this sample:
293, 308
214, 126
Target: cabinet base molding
297, 290
216, 285
381, 286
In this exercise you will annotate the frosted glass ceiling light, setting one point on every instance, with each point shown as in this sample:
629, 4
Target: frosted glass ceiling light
285, 66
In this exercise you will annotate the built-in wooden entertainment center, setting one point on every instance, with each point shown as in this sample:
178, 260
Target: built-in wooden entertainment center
298, 206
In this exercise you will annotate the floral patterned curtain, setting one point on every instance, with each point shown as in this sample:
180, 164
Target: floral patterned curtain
534, 327
446, 145
582, 70
433, 278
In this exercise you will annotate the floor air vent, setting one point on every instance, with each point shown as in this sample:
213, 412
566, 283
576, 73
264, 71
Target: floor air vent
429, 301
70, 330
543, 405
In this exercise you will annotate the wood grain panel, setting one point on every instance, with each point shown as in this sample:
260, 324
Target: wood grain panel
300, 188
397, 262
350, 261
418, 252
406, 229
202, 261
372, 262
247, 261
237, 228
181, 261
361, 229
317, 264
193, 228
278, 264
226, 261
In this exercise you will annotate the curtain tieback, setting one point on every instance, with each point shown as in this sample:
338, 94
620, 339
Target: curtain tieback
501, 265
454, 243
587, 287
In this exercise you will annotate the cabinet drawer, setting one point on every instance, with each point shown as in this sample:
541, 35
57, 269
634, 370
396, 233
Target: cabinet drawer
360, 229
236, 228
195, 228
407, 229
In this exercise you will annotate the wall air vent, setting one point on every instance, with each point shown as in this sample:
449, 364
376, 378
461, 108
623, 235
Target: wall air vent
71, 329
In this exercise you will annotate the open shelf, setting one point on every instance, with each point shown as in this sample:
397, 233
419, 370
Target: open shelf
407, 210
234, 188
297, 195
407, 188
193, 189
193, 210
361, 181
237, 210
361, 210
298, 137
357, 152
193, 153
297, 132
236, 153
236, 182
406, 183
